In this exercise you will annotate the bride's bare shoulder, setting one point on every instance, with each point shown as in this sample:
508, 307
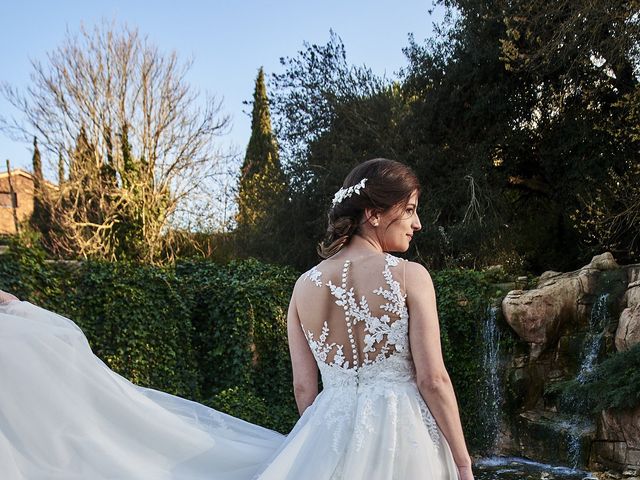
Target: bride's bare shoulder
418, 277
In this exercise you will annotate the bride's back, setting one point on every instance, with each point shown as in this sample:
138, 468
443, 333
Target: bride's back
353, 311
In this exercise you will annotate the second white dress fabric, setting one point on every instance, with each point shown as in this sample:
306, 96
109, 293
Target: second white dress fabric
64, 415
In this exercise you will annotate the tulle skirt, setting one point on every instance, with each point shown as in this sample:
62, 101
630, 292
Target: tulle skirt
65, 415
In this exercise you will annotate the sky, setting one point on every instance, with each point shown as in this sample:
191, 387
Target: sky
227, 40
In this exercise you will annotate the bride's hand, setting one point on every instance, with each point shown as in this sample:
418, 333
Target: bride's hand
465, 472
6, 297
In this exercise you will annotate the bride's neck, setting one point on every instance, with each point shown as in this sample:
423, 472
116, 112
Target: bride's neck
360, 243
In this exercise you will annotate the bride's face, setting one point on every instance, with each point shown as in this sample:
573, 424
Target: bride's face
398, 224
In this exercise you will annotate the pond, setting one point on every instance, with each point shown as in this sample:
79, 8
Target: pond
513, 468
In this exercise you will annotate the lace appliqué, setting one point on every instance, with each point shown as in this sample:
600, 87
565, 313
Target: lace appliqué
321, 349
379, 329
314, 275
429, 421
366, 419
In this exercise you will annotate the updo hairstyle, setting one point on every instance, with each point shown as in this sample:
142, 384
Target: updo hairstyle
389, 183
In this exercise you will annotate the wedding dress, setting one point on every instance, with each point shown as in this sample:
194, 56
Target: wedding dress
64, 415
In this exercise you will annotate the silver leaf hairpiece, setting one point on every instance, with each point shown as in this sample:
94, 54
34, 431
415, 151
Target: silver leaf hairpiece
345, 193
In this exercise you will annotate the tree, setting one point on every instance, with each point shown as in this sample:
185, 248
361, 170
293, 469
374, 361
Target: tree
41, 216
136, 138
584, 58
262, 185
508, 139
329, 116
262, 181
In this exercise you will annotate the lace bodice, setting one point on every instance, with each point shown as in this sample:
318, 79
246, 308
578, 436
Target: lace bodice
355, 318
376, 321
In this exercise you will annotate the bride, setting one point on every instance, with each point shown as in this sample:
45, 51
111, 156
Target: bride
365, 319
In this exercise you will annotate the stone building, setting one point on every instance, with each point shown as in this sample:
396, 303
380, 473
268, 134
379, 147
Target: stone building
18, 196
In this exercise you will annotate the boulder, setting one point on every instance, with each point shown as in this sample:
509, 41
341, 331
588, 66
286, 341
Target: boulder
548, 275
628, 331
633, 273
537, 315
632, 295
604, 261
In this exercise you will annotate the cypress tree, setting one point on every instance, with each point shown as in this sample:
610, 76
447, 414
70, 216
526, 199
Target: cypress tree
40, 217
37, 162
262, 181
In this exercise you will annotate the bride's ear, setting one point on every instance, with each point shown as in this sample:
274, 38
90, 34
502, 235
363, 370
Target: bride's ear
372, 217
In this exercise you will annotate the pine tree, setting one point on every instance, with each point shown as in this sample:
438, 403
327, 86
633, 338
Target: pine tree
262, 181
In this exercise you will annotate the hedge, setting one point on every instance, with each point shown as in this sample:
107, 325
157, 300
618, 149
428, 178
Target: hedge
216, 333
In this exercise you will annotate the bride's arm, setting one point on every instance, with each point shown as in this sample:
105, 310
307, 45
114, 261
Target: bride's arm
6, 297
305, 370
432, 377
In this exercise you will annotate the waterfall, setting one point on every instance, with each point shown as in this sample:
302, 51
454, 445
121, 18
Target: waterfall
598, 322
492, 392
597, 328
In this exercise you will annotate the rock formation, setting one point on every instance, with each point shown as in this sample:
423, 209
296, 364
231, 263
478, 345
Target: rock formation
555, 323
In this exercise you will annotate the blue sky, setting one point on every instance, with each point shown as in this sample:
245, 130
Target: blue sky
228, 41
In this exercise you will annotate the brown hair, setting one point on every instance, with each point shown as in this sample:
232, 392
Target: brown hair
389, 183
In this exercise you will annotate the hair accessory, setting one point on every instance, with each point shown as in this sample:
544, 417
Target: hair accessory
344, 193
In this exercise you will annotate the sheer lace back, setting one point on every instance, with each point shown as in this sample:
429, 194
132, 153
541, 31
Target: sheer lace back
353, 313
355, 318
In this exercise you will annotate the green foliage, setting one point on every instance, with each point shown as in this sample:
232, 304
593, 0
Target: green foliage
463, 298
137, 322
262, 192
242, 402
614, 383
239, 312
199, 330
262, 181
329, 116
524, 152
40, 220
132, 315
22, 269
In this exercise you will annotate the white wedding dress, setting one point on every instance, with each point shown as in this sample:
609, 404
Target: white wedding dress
64, 415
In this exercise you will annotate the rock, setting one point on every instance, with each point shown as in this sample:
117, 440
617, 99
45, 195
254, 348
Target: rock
633, 273
537, 315
623, 425
632, 295
548, 275
628, 331
618, 438
604, 261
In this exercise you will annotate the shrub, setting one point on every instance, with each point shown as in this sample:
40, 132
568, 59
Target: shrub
463, 299
613, 384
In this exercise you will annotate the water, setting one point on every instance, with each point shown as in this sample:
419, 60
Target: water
578, 426
492, 394
575, 427
514, 468
597, 328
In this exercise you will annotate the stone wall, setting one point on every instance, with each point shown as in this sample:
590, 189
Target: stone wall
23, 186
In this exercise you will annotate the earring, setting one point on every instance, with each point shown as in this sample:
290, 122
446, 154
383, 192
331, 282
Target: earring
375, 224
